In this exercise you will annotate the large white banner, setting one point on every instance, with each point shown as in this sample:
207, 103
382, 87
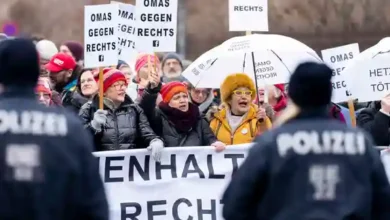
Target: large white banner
187, 184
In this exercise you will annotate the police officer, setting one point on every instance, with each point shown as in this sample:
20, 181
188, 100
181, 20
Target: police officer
47, 170
312, 166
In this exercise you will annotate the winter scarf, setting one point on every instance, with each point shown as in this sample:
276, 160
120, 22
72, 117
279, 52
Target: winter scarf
182, 121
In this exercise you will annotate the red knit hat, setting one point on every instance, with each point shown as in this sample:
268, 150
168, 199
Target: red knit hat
170, 89
142, 60
280, 87
111, 76
43, 86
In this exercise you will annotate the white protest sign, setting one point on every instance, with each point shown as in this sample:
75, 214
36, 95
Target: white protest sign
100, 35
248, 15
187, 184
372, 81
156, 25
115, 2
269, 70
127, 34
337, 58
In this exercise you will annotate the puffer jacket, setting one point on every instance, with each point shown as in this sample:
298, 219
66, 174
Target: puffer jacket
248, 129
77, 100
126, 128
200, 135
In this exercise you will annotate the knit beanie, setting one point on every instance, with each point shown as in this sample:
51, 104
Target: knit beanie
234, 81
46, 49
168, 90
76, 48
142, 60
43, 86
310, 85
172, 56
111, 76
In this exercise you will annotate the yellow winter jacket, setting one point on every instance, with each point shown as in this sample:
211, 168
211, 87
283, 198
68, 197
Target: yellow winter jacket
245, 132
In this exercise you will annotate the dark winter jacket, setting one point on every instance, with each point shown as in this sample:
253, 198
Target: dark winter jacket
126, 128
199, 135
207, 104
65, 181
376, 123
310, 168
76, 101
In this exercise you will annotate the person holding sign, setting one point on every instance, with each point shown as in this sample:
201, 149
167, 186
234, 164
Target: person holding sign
121, 123
238, 122
310, 166
176, 119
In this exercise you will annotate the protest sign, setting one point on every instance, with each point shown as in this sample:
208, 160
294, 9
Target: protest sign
127, 33
372, 81
337, 58
100, 35
269, 70
187, 184
156, 25
248, 15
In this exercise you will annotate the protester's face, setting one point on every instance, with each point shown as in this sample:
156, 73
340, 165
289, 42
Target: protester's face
144, 71
128, 73
60, 78
65, 49
117, 91
240, 100
43, 98
43, 70
179, 101
88, 84
199, 95
172, 67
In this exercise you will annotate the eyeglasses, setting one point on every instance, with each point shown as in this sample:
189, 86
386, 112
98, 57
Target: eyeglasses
203, 92
242, 92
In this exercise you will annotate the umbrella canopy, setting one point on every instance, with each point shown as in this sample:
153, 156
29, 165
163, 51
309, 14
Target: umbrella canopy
267, 58
368, 75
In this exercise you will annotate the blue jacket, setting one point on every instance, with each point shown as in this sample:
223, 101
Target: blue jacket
47, 170
289, 174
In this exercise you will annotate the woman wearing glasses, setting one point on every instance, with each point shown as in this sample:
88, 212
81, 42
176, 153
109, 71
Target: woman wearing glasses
240, 120
121, 124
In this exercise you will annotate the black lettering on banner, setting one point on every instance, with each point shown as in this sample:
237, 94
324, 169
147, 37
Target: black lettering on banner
348, 93
108, 167
191, 160
101, 17
171, 166
210, 167
175, 208
242, 45
156, 3
100, 47
337, 71
155, 32
126, 43
339, 85
101, 32
131, 216
126, 29
380, 72
126, 14
380, 87
234, 158
156, 17
248, 8
341, 57
144, 173
264, 70
212, 211
151, 212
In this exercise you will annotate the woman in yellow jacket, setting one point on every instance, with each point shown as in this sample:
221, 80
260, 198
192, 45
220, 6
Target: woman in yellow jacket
237, 122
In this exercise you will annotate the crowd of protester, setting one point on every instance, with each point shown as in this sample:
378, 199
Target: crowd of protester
148, 103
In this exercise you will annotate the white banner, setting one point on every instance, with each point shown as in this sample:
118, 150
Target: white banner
156, 25
127, 33
248, 15
187, 184
337, 58
100, 35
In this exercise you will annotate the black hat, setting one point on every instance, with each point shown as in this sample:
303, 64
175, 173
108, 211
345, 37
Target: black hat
19, 63
310, 85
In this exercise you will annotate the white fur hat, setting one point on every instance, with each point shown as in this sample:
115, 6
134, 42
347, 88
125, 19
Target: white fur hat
46, 49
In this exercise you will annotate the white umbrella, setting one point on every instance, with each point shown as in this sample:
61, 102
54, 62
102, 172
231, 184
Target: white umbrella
368, 75
271, 58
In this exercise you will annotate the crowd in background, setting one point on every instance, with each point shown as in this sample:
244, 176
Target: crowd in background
155, 107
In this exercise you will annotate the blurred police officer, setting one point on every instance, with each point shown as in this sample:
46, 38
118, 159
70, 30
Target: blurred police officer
311, 167
47, 171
